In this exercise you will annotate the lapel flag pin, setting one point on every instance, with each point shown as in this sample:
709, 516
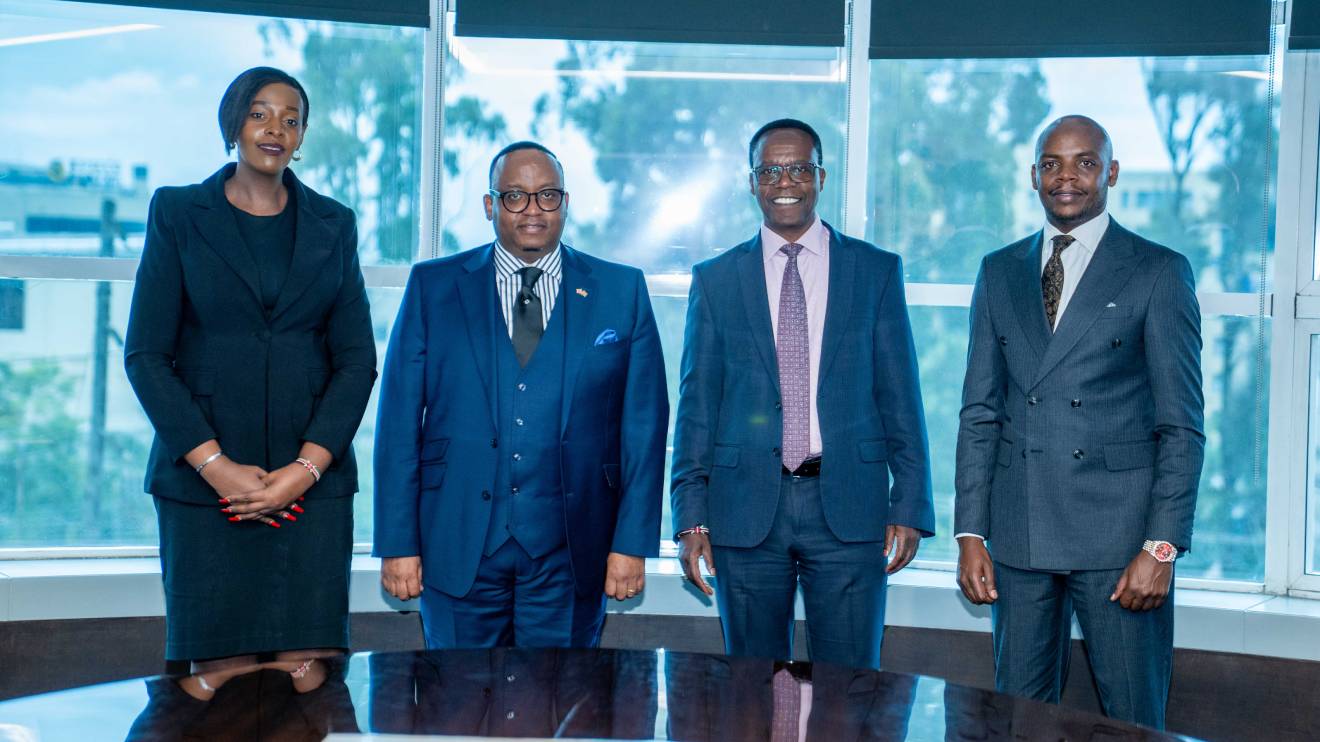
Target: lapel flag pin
582, 293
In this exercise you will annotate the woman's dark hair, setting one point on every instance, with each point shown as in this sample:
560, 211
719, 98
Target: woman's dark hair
238, 99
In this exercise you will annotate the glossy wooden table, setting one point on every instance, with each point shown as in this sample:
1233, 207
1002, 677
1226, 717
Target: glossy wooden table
551, 693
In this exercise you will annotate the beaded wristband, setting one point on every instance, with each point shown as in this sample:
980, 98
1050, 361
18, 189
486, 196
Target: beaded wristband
311, 468
694, 529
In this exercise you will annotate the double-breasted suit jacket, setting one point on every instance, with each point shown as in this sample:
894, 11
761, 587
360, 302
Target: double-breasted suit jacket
1077, 446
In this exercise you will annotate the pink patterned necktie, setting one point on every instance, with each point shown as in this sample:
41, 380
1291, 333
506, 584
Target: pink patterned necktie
794, 351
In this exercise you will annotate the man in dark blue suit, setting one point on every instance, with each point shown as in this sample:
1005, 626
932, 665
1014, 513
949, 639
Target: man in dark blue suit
520, 440
1081, 438
799, 401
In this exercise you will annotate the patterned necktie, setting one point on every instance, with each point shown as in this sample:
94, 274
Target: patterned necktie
794, 351
787, 708
1051, 281
527, 327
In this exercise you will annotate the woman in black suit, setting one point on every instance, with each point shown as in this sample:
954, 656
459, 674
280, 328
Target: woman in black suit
250, 348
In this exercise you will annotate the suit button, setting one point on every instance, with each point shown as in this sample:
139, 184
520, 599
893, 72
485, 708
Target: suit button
517, 457
518, 422
510, 715
494, 442
1003, 340
485, 494
1115, 343
1077, 403
511, 678
1032, 401
1079, 454
774, 452
514, 490
522, 387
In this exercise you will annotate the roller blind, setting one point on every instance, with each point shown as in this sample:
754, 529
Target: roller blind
930, 29
382, 12
692, 21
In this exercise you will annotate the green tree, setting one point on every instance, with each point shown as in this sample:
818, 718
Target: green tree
1229, 116
672, 150
364, 133
944, 170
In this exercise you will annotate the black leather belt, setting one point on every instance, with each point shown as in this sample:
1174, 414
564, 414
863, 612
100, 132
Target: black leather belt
808, 468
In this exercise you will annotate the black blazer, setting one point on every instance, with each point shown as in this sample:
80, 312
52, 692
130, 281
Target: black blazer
207, 360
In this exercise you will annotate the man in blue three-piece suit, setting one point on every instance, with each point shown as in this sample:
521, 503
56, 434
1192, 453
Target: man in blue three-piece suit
520, 444
799, 400
1080, 445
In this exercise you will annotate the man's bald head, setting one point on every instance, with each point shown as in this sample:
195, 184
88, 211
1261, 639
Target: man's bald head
1082, 124
1074, 169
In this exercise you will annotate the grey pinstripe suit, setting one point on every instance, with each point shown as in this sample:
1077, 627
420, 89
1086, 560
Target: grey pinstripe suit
1074, 448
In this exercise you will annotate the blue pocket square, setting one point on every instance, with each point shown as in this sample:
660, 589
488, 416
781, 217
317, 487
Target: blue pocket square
606, 337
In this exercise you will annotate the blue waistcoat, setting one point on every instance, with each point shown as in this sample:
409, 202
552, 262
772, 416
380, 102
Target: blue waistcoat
528, 502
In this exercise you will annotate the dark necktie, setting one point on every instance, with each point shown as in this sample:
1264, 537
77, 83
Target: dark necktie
527, 327
1051, 281
794, 352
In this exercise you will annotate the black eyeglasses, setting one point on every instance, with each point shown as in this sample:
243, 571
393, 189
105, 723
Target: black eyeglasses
547, 199
798, 172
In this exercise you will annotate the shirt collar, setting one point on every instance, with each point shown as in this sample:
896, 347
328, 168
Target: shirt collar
507, 264
1088, 234
815, 240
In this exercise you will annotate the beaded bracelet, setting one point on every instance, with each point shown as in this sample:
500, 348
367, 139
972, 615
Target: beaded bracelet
695, 529
311, 468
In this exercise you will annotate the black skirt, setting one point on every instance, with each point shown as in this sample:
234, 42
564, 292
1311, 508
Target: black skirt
244, 588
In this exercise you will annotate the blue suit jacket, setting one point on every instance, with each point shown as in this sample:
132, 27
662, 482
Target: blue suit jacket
435, 454
727, 465
1077, 446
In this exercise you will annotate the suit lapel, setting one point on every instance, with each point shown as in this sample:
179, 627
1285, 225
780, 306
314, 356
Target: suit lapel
578, 300
756, 303
1105, 276
477, 294
210, 212
313, 245
1029, 301
838, 306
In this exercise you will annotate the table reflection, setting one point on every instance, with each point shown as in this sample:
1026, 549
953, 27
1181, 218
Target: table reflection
601, 694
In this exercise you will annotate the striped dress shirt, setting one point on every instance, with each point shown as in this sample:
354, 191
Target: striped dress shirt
508, 282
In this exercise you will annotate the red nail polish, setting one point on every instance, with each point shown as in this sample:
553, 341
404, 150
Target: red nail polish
289, 517
223, 501
226, 510
234, 519
296, 508
273, 524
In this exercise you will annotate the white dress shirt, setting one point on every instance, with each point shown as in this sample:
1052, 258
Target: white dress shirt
1075, 258
1078, 255
814, 267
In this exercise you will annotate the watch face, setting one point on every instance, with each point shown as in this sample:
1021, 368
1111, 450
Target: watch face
1165, 552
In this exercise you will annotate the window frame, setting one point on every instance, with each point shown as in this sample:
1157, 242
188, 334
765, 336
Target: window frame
1293, 321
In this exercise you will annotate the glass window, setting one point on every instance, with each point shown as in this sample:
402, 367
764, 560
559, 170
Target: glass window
952, 142
653, 139
104, 104
1312, 561
82, 148
73, 438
